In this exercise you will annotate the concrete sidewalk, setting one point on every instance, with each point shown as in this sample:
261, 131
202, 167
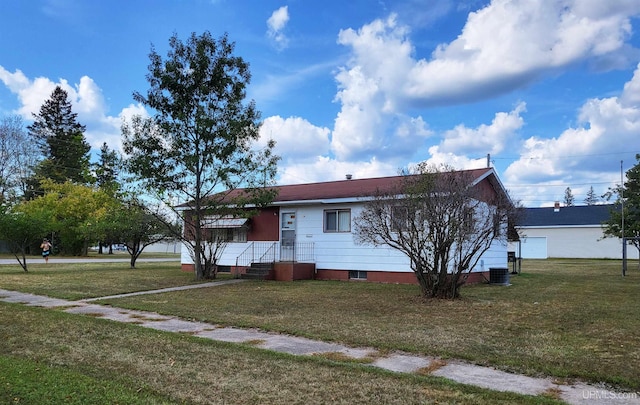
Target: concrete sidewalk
53, 260
486, 377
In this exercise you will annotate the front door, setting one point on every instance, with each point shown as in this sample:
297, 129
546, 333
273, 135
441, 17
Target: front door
288, 237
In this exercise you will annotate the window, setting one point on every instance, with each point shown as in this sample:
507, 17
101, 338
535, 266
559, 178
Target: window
337, 221
357, 275
399, 219
229, 234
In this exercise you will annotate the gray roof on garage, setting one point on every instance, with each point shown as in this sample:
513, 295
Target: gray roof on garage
567, 216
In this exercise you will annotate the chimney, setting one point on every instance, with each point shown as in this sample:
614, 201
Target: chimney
556, 206
348, 176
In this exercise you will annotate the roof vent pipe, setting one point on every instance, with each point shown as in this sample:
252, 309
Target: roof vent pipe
348, 176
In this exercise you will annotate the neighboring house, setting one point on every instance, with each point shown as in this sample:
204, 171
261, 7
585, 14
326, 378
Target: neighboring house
306, 232
567, 232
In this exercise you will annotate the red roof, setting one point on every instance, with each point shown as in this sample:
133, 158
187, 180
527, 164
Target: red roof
345, 188
353, 188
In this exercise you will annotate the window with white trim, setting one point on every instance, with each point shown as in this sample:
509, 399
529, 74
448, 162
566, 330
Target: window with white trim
338, 220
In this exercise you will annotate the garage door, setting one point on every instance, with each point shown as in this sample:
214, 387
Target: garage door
534, 247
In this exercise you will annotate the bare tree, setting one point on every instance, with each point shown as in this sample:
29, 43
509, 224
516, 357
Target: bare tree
17, 158
442, 220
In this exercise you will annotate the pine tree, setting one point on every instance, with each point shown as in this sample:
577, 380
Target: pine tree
61, 141
568, 197
592, 198
107, 169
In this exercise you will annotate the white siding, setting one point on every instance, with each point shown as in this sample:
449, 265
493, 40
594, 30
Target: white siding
584, 242
338, 251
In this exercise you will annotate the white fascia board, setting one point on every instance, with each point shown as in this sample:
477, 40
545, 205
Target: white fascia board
318, 202
558, 226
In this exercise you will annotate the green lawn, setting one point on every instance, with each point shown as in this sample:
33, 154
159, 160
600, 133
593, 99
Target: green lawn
562, 318
51, 357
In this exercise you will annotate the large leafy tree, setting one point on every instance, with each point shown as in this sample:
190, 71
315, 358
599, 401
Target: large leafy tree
61, 141
627, 205
75, 213
199, 144
441, 221
137, 225
21, 230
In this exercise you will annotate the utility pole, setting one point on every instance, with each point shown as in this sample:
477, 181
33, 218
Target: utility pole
624, 240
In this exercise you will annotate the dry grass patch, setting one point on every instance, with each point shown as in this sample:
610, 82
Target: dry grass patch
434, 365
254, 342
553, 393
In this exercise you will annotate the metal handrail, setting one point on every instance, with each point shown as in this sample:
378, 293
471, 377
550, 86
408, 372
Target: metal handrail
271, 251
268, 252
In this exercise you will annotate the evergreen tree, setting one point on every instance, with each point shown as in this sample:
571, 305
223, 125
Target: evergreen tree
107, 169
60, 138
592, 198
568, 197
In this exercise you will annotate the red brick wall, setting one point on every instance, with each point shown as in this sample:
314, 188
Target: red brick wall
265, 226
289, 271
390, 277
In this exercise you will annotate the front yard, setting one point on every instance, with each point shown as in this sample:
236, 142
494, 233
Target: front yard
563, 318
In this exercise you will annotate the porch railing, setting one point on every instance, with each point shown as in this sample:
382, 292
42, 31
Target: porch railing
269, 252
255, 251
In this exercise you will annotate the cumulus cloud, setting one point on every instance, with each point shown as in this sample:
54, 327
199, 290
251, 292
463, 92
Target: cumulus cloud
485, 138
604, 124
296, 138
371, 122
276, 25
324, 168
495, 53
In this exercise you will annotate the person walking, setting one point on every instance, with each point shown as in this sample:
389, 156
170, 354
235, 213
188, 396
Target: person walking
46, 249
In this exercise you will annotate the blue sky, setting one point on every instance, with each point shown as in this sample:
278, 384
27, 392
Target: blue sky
550, 89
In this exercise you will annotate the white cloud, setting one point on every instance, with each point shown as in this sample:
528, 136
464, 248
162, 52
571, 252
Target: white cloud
491, 138
458, 162
582, 152
495, 53
371, 121
296, 138
324, 168
276, 25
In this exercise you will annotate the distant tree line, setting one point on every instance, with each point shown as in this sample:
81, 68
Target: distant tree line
198, 145
49, 189
591, 198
